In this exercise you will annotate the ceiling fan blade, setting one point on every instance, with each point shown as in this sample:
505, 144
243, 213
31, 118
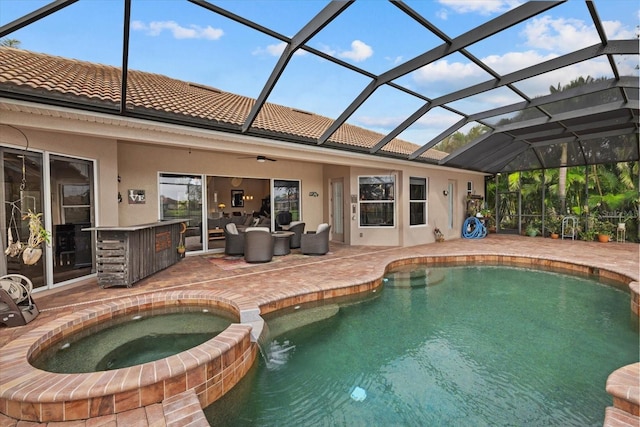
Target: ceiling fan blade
259, 158
264, 158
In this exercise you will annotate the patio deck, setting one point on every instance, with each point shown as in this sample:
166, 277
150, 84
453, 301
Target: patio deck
294, 275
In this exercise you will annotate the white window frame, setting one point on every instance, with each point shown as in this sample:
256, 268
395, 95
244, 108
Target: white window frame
419, 201
389, 179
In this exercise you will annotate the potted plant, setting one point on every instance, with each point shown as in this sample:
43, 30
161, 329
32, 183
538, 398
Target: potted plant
553, 223
486, 218
602, 229
37, 236
532, 230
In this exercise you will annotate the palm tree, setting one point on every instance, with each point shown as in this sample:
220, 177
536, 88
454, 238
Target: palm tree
10, 43
562, 179
459, 139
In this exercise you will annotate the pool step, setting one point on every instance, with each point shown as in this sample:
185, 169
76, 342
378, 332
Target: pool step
624, 385
615, 417
183, 409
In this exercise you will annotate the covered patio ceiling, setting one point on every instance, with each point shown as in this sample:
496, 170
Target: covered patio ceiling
591, 123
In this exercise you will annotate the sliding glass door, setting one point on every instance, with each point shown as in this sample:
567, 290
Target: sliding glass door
72, 210
286, 198
22, 192
181, 198
61, 190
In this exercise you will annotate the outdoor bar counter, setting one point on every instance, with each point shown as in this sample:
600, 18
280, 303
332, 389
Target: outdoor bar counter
125, 255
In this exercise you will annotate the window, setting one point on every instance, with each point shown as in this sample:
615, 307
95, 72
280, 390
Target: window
417, 201
76, 203
181, 197
377, 201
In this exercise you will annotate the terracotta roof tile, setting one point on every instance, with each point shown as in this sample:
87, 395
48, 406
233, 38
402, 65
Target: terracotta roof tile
65, 77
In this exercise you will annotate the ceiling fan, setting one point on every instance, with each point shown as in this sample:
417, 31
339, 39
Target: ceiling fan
260, 159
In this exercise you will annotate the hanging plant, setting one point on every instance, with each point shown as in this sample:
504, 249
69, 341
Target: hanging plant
37, 236
13, 248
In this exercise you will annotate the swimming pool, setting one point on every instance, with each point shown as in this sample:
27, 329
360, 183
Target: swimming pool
481, 346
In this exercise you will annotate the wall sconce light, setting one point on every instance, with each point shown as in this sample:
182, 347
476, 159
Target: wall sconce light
247, 197
221, 206
445, 192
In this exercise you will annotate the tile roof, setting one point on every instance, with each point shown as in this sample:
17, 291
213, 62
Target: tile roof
100, 85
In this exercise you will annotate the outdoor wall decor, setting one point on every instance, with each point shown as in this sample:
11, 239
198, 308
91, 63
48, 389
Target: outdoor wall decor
136, 197
237, 198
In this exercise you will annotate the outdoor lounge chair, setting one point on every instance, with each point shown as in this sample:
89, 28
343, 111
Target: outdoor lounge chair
233, 240
16, 306
316, 242
297, 228
258, 244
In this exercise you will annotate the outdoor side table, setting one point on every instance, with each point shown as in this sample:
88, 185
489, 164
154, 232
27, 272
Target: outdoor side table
281, 243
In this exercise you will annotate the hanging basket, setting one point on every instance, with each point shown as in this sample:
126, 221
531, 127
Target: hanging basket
31, 255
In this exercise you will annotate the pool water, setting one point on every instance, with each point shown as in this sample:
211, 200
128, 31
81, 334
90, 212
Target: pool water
478, 346
134, 339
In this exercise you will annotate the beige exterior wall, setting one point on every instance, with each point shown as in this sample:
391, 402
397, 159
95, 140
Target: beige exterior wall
138, 150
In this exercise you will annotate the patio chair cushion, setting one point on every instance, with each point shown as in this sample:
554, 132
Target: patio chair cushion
263, 229
322, 227
231, 228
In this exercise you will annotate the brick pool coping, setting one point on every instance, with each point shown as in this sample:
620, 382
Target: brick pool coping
35, 387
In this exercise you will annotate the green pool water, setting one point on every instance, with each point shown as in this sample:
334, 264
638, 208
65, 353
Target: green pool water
134, 339
462, 346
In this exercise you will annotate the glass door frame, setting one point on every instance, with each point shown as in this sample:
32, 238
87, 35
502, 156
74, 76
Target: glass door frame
48, 281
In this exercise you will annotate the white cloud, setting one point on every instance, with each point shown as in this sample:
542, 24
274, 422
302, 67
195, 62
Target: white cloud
437, 76
513, 61
395, 61
443, 71
154, 28
358, 53
559, 35
384, 122
483, 7
565, 35
276, 50
326, 49
615, 30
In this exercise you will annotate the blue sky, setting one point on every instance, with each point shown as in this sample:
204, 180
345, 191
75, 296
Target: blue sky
184, 41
